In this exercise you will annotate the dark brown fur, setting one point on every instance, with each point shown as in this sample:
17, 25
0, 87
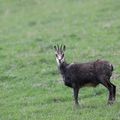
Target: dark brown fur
80, 75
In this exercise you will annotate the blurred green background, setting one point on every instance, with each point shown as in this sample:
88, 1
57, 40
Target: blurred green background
30, 85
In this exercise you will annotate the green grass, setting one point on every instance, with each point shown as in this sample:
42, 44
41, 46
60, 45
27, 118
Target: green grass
30, 85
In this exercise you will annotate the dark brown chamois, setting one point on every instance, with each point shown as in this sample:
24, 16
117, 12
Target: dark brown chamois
77, 76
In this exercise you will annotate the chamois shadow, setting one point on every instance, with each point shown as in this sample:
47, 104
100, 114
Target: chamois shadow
58, 99
92, 94
83, 106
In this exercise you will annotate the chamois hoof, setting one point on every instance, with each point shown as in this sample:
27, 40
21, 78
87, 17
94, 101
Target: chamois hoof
110, 102
76, 105
113, 99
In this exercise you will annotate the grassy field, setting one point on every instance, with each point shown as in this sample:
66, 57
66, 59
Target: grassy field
30, 85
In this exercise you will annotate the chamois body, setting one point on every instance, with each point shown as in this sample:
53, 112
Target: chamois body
85, 74
78, 75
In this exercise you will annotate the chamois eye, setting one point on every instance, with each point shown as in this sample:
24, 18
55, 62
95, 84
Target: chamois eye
56, 55
62, 55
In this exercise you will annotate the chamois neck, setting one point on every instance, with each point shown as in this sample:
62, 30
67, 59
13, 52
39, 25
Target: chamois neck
62, 67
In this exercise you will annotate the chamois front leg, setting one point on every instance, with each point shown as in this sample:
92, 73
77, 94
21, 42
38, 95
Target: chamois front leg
76, 91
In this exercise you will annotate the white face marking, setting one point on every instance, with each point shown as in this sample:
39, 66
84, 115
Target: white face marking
59, 52
58, 62
59, 58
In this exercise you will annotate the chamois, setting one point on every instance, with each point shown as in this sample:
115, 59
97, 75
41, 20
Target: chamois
78, 75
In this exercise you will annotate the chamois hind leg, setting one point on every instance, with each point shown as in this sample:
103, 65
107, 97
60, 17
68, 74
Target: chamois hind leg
111, 89
76, 91
114, 91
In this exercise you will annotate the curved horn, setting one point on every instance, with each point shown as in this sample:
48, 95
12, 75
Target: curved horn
61, 47
58, 47
64, 47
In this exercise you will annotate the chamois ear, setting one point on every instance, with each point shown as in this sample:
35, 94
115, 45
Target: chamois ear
55, 48
64, 48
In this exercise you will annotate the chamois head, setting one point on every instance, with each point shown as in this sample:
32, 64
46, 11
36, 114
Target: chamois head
59, 52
